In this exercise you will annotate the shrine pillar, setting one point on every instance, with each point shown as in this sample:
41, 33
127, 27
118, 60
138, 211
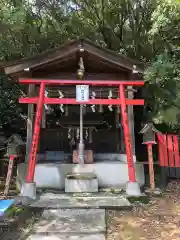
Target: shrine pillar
43, 123
132, 187
30, 118
130, 109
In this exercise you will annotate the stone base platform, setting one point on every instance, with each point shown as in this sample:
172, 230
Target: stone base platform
81, 183
112, 174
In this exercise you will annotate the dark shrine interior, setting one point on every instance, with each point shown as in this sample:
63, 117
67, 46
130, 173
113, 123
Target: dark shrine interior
105, 134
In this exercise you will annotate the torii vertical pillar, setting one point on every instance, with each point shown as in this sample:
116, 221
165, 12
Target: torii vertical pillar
31, 90
29, 187
130, 110
132, 187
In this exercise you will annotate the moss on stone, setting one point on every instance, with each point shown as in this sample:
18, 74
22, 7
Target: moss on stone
81, 176
142, 199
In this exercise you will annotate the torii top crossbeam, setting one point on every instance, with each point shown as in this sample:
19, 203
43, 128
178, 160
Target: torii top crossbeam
80, 82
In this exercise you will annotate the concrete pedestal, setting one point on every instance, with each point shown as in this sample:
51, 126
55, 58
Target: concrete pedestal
133, 189
81, 183
28, 190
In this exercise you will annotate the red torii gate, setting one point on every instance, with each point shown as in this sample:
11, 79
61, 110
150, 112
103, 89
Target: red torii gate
41, 100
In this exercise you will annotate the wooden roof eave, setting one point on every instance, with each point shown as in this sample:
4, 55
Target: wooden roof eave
40, 60
48, 57
112, 57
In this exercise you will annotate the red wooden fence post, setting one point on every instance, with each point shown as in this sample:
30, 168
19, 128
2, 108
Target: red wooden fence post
163, 158
161, 149
9, 174
176, 151
132, 187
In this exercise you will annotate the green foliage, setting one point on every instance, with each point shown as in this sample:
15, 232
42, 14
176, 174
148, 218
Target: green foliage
122, 26
163, 74
163, 85
165, 31
14, 211
9, 94
146, 30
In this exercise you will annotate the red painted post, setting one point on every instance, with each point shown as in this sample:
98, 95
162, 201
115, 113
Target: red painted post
170, 150
161, 149
151, 166
125, 123
35, 140
166, 162
176, 151
9, 174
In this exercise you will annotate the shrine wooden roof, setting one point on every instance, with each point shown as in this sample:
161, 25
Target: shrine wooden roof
65, 58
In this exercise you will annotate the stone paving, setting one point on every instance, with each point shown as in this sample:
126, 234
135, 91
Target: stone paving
68, 237
69, 216
74, 216
72, 224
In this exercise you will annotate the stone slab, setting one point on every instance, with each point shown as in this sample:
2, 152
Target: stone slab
68, 237
81, 184
98, 200
71, 221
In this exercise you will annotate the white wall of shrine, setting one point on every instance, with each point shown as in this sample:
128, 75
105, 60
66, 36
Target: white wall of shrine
52, 175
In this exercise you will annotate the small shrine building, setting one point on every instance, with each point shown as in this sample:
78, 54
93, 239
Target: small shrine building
104, 149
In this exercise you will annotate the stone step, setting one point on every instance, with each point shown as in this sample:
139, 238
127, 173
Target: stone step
98, 200
68, 237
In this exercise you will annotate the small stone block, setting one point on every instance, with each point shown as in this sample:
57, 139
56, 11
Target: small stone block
133, 189
82, 182
154, 192
29, 190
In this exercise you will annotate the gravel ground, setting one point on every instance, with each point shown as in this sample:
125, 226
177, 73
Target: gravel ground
160, 219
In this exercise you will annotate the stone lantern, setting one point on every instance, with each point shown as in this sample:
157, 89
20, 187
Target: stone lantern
13, 150
13, 146
149, 133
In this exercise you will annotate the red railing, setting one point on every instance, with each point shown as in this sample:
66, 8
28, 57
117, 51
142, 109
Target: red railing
168, 147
